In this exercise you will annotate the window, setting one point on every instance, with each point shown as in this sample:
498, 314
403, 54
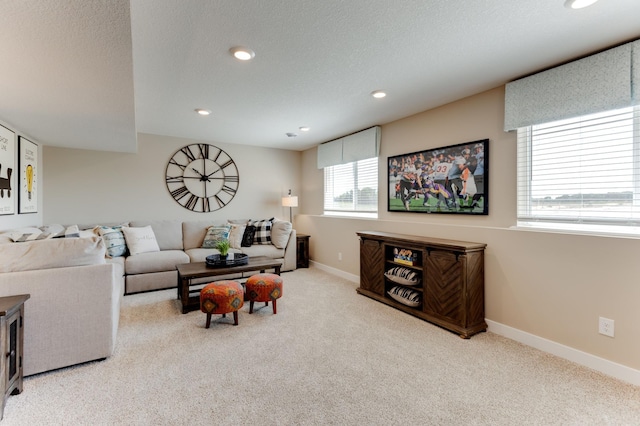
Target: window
351, 189
581, 173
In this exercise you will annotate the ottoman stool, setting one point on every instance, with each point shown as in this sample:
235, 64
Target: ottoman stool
221, 297
263, 288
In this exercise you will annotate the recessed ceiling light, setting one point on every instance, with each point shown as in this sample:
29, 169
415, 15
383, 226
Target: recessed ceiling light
203, 111
304, 129
242, 53
578, 4
378, 94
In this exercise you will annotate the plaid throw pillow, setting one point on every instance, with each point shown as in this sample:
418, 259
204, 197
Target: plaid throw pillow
263, 231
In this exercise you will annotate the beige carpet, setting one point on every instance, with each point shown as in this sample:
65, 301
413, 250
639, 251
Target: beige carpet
329, 356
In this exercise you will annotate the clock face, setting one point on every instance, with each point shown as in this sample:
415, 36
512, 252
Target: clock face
202, 177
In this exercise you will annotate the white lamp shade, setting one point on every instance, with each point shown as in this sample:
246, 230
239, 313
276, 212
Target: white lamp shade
290, 201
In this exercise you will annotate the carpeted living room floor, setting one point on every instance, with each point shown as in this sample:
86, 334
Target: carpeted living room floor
330, 356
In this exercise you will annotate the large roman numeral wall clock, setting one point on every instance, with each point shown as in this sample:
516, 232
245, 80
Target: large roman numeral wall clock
202, 177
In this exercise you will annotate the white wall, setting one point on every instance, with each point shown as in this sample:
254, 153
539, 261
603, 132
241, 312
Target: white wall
553, 286
89, 187
31, 219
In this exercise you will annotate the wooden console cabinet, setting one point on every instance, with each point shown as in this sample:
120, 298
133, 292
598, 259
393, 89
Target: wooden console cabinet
450, 278
11, 341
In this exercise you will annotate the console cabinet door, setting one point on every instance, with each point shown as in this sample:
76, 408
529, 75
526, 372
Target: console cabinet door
372, 266
444, 286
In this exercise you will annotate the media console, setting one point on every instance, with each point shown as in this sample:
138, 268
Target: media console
438, 280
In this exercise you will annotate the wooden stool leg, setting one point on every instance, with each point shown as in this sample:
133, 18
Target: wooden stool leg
251, 307
208, 320
275, 310
235, 317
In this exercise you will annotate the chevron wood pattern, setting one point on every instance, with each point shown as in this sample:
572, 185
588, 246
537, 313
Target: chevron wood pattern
451, 272
444, 286
372, 266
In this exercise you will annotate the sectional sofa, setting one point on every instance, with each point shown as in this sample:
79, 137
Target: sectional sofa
76, 288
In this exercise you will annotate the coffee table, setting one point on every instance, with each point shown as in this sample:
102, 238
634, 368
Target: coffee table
187, 272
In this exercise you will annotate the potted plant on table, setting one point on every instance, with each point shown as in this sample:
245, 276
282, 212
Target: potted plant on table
223, 247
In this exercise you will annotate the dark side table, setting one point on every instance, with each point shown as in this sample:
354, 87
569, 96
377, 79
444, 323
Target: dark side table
302, 251
11, 341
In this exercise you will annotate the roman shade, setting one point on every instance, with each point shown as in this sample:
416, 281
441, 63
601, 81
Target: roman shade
600, 82
357, 146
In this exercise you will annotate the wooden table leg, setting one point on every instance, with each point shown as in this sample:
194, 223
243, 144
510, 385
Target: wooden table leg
185, 294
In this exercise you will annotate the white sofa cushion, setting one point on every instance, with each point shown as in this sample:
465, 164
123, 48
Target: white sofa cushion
270, 251
52, 253
165, 260
200, 254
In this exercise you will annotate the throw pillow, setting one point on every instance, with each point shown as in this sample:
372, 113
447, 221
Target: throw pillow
236, 234
216, 234
406, 296
247, 237
280, 232
113, 240
140, 240
263, 231
21, 238
55, 229
71, 231
402, 275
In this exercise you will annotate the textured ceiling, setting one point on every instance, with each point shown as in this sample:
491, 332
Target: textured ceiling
90, 74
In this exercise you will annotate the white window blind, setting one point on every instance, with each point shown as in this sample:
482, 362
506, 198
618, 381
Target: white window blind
581, 173
352, 188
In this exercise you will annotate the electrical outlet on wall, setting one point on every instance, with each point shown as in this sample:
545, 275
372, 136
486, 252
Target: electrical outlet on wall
606, 326
339, 256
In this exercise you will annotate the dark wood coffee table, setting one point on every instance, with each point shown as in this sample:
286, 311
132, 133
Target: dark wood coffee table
187, 272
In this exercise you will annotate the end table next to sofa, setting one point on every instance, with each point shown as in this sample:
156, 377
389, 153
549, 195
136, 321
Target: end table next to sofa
302, 251
11, 343
187, 272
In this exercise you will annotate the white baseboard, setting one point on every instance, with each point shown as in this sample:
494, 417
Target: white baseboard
610, 368
338, 272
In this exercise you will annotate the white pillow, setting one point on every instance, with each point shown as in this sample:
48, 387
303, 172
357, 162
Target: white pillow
280, 232
235, 235
140, 240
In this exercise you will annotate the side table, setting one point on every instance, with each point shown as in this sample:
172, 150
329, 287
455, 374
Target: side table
11, 342
302, 251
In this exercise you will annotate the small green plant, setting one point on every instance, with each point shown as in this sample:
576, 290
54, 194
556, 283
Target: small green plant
223, 247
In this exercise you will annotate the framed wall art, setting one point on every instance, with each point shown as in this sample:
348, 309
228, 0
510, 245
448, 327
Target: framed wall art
28, 165
7, 167
451, 180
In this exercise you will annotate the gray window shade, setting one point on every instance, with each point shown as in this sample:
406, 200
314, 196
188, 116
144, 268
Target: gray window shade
361, 145
597, 83
330, 154
358, 146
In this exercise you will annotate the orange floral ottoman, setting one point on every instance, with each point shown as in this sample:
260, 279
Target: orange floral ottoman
263, 288
222, 297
